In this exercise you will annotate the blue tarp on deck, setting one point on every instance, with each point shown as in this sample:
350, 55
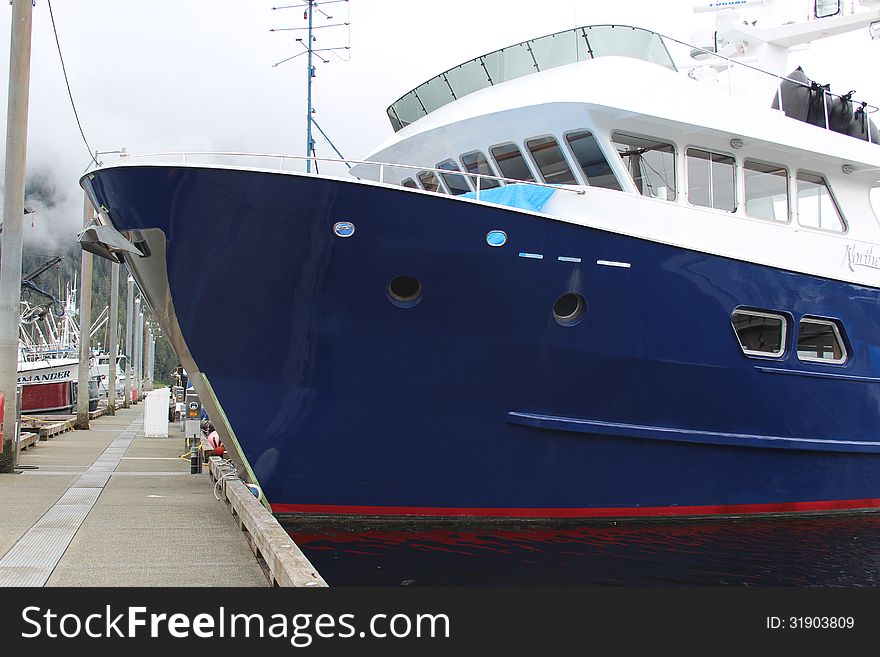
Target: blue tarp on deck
524, 197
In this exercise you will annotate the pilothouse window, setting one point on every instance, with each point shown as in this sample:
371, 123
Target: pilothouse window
650, 163
511, 162
456, 183
592, 161
430, 183
826, 8
551, 162
815, 205
711, 180
766, 190
875, 199
477, 163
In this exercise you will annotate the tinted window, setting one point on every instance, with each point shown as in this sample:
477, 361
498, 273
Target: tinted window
592, 161
711, 180
875, 200
477, 163
429, 182
456, 183
511, 163
815, 206
766, 191
819, 340
409, 182
651, 164
550, 161
759, 334
826, 8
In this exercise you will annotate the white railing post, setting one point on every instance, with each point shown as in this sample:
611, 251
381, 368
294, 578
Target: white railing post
382, 172
479, 184
779, 95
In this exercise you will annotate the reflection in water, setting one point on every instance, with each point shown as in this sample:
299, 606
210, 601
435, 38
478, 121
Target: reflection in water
811, 551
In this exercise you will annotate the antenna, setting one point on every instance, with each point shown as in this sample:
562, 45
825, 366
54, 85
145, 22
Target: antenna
310, 6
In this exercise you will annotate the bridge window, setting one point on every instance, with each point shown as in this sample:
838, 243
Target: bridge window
711, 180
551, 162
650, 163
409, 182
477, 163
826, 8
511, 163
455, 182
875, 199
759, 333
819, 340
430, 182
592, 161
815, 205
766, 190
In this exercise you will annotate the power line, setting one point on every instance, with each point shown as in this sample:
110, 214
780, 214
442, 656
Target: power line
67, 82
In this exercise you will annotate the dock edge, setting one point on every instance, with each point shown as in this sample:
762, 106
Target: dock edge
285, 564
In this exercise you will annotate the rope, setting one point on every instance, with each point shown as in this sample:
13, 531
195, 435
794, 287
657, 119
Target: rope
67, 82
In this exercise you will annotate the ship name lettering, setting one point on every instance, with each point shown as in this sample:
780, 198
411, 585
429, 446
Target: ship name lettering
51, 376
853, 258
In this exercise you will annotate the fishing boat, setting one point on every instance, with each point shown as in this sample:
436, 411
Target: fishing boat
48, 359
603, 273
103, 372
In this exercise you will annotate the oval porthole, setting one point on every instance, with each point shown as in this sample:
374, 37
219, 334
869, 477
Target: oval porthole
569, 309
496, 238
404, 291
343, 229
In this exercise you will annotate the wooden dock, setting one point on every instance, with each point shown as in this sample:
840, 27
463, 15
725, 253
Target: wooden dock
83, 504
27, 439
283, 561
47, 426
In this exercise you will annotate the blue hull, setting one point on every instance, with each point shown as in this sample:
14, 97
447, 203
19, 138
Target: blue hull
476, 401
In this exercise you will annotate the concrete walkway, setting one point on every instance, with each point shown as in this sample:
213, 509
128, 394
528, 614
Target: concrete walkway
109, 507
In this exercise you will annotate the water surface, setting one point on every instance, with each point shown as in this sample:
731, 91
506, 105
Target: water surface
804, 551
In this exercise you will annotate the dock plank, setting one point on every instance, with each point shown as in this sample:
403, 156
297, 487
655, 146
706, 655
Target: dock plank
286, 563
27, 440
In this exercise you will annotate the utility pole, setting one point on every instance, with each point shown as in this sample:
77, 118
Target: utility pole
146, 365
139, 350
13, 221
85, 327
152, 369
114, 338
129, 327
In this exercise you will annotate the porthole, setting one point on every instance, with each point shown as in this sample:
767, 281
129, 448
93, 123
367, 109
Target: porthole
819, 341
404, 291
759, 333
569, 309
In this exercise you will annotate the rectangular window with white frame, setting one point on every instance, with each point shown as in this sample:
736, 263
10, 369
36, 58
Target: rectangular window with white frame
815, 204
766, 190
711, 179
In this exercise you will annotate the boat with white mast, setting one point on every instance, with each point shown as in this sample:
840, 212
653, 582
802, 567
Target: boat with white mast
600, 273
48, 357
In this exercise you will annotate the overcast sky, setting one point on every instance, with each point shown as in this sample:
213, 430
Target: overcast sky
172, 75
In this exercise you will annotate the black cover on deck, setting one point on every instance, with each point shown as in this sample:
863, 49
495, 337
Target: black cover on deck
805, 100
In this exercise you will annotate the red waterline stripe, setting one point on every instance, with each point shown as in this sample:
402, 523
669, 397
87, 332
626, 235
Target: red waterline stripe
636, 511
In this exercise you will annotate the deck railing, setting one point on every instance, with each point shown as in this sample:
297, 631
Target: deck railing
577, 45
476, 180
